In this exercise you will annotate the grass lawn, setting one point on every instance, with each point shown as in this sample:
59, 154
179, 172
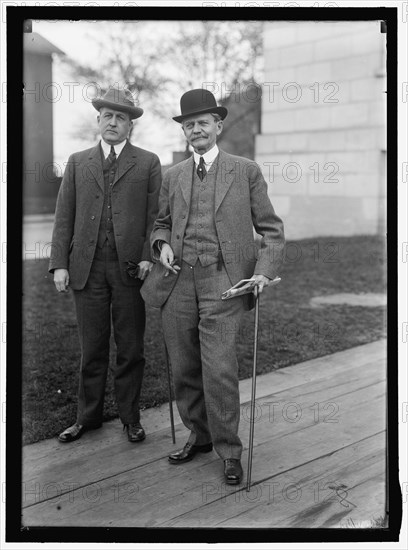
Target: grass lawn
291, 330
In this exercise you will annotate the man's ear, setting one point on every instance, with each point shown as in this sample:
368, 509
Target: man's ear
220, 128
98, 118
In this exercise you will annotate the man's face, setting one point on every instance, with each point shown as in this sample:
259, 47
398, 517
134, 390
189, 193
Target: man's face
114, 125
201, 132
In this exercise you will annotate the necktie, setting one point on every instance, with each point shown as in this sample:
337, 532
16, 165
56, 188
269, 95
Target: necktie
201, 171
112, 156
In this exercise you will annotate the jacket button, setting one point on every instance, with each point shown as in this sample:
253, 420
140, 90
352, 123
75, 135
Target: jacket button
91, 241
92, 217
183, 217
178, 236
96, 196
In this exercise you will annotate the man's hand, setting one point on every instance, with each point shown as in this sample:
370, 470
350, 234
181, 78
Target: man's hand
144, 269
167, 259
61, 279
261, 281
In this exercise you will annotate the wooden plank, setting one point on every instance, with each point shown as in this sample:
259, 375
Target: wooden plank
353, 360
347, 482
352, 466
120, 456
165, 491
80, 464
361, 503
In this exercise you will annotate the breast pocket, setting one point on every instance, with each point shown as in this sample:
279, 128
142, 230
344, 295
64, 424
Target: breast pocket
136, 173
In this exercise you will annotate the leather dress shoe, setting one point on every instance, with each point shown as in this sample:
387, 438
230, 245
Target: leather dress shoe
233, 471
75, 432
135, 432
188, 452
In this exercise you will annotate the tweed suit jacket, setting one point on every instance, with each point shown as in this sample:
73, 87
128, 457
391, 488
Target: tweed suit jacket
79, 207
242, 205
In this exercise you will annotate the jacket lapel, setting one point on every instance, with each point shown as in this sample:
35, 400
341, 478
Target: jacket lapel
93, 166
186, 180
224, 177
126, 160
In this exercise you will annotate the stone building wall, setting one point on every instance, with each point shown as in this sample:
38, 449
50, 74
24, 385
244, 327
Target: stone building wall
323, 139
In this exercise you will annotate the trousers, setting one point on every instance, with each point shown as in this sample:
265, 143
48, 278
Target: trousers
200, 331
105, 301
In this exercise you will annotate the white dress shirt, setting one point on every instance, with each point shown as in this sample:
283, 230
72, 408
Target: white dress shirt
209, 157
118, 148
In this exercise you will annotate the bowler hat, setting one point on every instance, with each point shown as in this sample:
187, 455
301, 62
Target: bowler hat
119, 100
199, 101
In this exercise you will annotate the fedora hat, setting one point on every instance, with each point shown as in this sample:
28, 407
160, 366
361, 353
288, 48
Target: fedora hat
119, 100
199, 101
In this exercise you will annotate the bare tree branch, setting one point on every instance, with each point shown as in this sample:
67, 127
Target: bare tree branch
154, 62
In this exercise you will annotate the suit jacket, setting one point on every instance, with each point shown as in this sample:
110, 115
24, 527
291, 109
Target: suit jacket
241, 205
78, 212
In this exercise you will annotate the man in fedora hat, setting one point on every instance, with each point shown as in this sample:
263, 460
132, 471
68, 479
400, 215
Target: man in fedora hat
106, 207
203, 238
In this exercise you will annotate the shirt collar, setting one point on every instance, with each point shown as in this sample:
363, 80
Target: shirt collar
209, 156
118, 148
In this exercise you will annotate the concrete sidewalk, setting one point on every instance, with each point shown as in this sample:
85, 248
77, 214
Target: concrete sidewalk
37, 234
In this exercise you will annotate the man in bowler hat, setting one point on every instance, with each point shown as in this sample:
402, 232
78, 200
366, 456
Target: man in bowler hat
203, 238
106, 207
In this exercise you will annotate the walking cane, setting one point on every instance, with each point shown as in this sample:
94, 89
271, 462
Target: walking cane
173, 433
252, 416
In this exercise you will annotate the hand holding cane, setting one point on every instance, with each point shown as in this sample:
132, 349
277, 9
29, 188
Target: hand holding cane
245, 286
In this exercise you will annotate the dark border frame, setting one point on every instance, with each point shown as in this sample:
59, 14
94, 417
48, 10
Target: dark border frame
14, 531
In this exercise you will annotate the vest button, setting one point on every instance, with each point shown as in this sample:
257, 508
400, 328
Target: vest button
96, 196
178, 236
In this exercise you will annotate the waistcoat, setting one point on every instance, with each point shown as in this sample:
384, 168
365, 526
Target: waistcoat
106, 230
200, 238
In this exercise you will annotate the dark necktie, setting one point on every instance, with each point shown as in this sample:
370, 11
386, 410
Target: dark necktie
112, 156
201, 171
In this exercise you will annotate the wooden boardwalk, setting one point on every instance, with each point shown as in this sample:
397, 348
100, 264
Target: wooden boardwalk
319, 460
